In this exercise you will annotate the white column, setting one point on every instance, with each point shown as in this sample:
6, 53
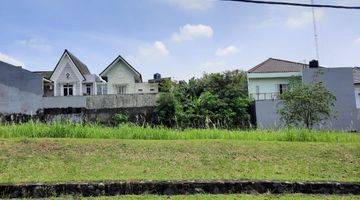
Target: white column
55, 89
81, 86
95, 88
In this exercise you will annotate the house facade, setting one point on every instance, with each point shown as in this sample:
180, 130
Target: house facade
71, 77
342, 82
271, 78
122, 78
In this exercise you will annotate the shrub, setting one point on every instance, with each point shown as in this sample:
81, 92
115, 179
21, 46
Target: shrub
120, 118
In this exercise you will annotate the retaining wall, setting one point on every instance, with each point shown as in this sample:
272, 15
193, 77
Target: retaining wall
100, 108
176, 188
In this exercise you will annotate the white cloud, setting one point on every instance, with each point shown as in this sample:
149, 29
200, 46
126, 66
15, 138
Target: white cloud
191, 32
357, 41
227, 51
305, 18
214, 64
10, 60
192, 4
36, 43
156, 49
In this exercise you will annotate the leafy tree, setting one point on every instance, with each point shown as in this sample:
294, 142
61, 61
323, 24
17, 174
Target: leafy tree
166, 109
306, 104
214, 100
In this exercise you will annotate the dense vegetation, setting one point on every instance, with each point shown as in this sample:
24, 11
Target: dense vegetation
215, 100
126, 131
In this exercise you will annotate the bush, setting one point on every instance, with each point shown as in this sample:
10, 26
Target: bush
120, 118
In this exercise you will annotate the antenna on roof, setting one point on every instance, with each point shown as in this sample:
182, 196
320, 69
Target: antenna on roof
315, 32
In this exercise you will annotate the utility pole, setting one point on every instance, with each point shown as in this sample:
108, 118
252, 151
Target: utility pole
315, 33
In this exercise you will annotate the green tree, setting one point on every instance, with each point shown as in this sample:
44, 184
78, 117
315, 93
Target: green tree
166, 109
306, 104
214, 100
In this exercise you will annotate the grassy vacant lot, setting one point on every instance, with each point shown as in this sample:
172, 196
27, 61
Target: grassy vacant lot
62, 160
60, 130
230, 197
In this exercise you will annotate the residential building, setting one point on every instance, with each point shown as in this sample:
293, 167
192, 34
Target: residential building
342, 82
122, 78
20, 90
271, 78
71, 77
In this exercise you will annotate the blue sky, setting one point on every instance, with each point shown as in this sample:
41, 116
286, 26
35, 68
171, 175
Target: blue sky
177, 38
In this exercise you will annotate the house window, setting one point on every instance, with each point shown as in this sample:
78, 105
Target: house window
140, 90
88, 89
121, 89
283, 88
152, 89
257, 89
68, 90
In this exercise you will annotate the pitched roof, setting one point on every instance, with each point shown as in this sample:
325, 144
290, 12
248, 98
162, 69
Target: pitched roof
126, 63
277, 66
356, 74
80, 65
44, 74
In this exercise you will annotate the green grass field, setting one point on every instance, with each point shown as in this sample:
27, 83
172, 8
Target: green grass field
60, 130
64, 160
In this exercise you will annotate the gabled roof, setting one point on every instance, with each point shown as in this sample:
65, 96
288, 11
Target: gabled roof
126, 63
79, 65
44, 74
356, 74
273, 65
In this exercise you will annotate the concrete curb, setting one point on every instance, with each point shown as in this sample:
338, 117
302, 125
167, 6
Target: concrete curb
113, 188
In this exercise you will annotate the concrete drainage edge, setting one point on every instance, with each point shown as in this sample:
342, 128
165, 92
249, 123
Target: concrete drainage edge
112, 188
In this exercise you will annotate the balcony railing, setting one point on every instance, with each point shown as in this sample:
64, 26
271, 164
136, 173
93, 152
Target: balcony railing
265, 96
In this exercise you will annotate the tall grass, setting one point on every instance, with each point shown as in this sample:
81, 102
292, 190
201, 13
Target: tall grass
69, 130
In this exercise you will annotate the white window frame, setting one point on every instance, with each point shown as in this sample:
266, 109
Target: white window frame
67, 87
121, 89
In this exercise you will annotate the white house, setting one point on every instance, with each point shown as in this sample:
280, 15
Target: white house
122, 78
271, 78
71, 77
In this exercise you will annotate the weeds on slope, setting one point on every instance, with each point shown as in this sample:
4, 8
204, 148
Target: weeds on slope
128, 131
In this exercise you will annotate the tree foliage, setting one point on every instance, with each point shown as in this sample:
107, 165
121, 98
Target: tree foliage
215, 100
306, 104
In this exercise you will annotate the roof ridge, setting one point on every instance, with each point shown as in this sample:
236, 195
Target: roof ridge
289, 61
277, 65
83, 69
257, 66
126, 62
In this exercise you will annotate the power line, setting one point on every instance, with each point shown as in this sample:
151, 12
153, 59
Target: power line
296, 4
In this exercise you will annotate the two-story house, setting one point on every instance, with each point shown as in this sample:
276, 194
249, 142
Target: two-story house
271, 78
71, 77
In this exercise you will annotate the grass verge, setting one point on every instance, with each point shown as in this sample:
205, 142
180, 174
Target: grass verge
64, 160
68, 130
